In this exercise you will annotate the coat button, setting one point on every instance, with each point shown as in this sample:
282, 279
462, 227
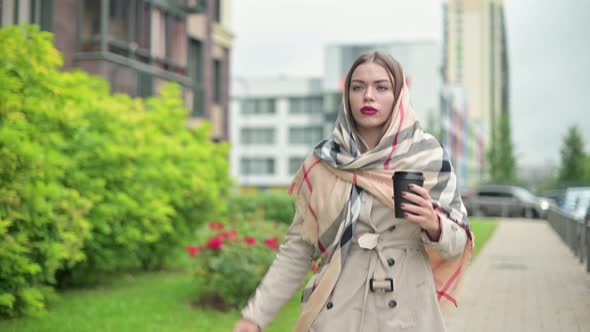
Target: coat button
392, 304
390, 261
329, 305
392, 228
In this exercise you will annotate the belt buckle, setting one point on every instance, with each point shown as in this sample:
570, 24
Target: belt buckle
381, 290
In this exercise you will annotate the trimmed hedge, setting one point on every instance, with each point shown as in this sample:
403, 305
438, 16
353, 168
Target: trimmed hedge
277, 207
92, 182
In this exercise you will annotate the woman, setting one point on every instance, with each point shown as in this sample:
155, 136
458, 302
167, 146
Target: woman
374, 273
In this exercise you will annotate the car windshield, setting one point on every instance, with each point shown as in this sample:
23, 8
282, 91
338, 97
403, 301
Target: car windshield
583, 201
574, 197
525, 195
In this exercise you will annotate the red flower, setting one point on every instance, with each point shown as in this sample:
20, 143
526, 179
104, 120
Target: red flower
314, 267
272, 243
215, 243
193, 251
250, 240
215, 225
229, 235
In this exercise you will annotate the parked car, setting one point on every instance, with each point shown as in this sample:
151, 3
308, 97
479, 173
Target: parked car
577, 202
505, 201
556, 196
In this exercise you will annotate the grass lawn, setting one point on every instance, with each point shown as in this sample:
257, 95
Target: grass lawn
482, 231
157, 302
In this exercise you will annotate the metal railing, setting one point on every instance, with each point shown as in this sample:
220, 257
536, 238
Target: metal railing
574, 233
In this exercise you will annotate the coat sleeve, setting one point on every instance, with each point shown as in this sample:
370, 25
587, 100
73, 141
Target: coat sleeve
283, 278
452, 241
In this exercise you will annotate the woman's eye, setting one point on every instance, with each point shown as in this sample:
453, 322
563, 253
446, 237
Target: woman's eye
382, 88
357, 88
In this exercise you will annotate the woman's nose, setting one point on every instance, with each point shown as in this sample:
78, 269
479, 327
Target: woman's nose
368, 94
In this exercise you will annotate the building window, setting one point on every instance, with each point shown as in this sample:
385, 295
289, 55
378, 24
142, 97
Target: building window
217, 84
257, 166
305, 135
39, 12
295, 164
258, 106
137, 29
217, 13
119, 20
257, 136
42, 14
178, 46
159, 40
21, 11
305, 105
195, 72
141, 32
90, 33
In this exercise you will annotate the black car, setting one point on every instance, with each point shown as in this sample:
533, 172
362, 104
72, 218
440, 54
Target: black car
505, 201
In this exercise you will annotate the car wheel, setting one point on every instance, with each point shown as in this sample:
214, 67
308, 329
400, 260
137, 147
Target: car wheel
529, 213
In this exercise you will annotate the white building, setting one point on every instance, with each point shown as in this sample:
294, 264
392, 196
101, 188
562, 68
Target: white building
275, 124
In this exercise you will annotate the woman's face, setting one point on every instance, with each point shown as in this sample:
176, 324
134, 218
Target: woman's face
371, 97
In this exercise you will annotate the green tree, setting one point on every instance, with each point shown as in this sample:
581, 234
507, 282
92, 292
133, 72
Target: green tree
501, 161
571, 171
587, 169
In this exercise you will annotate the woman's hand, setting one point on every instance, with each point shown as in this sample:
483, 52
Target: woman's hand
423, 212
246, 325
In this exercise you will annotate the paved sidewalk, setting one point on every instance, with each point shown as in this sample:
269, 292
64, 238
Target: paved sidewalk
525, 279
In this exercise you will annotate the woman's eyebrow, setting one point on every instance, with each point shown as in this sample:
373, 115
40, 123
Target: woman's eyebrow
377, 81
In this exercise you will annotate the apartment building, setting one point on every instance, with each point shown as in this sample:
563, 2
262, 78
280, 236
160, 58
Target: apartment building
475, 57
462, 138
275, 125
137, 45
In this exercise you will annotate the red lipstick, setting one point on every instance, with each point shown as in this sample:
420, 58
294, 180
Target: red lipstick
368, 110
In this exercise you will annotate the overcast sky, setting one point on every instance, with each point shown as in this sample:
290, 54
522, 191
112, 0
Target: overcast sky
548, 47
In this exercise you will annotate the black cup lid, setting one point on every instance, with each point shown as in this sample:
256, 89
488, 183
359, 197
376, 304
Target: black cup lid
409, 175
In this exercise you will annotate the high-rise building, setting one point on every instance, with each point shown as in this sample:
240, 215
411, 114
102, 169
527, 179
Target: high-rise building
461, 138
475, 59
137, 45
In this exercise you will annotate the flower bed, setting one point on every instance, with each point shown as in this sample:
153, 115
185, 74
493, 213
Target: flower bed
231, 259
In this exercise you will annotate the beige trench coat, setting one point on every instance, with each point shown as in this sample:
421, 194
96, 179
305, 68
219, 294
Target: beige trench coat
399, 255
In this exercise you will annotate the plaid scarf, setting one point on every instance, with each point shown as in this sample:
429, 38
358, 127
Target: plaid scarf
330, 180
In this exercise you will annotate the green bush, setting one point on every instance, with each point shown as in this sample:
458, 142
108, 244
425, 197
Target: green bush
92, 182
152, 182
42, 220
278, 207
231, 260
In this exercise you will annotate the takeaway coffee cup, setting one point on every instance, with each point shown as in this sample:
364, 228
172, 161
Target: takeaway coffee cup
401, 183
